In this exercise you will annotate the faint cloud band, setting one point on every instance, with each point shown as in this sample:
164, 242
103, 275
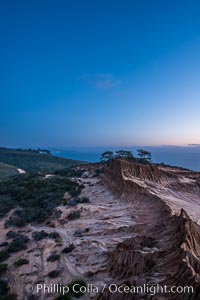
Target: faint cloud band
101, 80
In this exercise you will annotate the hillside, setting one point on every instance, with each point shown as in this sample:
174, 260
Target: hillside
7, 170
35, 160
122, 223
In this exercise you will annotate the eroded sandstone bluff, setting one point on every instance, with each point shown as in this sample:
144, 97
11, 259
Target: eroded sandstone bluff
140, 226
165, 247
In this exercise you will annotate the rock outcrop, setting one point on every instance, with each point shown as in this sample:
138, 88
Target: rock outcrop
165, 247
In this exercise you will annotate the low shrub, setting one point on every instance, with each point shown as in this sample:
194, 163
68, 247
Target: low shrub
68, 249
74, 215
12, 234
4, 244
4, 255
55, 235
84, 200
78, 200
3, 268
18, 244
53, 257
80, 283
39, 235
21, 261
53, 274
34, 197
69, 172
3, 287
9, 297
17, 219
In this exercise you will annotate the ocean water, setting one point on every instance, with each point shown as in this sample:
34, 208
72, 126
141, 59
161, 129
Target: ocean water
187, 157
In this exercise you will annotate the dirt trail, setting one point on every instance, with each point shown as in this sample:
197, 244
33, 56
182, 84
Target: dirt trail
102, 225
104, 222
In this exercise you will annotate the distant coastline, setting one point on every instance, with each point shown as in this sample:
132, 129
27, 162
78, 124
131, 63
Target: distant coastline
186, 157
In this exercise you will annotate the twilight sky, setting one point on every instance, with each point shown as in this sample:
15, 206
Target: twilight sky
99, 72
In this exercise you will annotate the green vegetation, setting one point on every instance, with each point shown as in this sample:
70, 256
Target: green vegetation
35, 196
3, 268
4, 244
144, 156
83, 200
4, 255
69, 172
106, 156
21, 261
53, 257
55, 235
9, 297
12, 234
80, 283
68, 249
3, 287
40, 235
54, 273
76, 201
74, 215
7, 170
18, 244
124, 154
33, 199
35, 161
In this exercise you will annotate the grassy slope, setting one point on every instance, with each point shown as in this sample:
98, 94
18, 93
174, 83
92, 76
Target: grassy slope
35, 162
7, 170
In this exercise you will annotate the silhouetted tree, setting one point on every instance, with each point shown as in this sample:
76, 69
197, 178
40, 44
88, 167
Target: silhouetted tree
124, 154
144, 156
106, 156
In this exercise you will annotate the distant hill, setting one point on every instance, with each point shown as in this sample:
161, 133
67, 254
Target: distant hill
35, 160
7, 170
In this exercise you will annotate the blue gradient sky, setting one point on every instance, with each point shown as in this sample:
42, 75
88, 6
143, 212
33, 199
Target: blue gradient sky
99, 73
